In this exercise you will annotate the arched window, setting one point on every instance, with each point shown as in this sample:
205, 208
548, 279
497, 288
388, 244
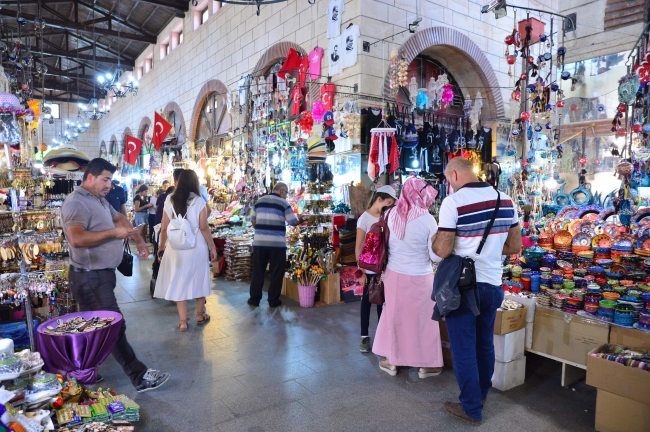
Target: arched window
423, 68
103, 153
213, 119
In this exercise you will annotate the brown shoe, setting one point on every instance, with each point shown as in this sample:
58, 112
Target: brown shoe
456, 410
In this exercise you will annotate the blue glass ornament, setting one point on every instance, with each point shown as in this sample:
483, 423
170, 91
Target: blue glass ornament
565, 75
549, 125
540, 58
548, 107
538, 127
555, 87
530, 87
561, 51
542, 38
515, 131
560, 148
548, 56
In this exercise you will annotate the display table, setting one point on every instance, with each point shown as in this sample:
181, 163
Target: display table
77, 355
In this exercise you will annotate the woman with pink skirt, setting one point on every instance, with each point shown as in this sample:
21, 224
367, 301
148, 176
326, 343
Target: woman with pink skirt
406, 334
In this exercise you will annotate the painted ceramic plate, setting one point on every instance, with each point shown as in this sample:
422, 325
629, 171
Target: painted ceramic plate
566, 210
610, 229
602, 241
562, 238
643, 243
587, 227
623, 240
581, 239
573, 226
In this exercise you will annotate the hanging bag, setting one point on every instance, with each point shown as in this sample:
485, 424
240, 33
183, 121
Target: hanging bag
374, 253
180, 234
126, 266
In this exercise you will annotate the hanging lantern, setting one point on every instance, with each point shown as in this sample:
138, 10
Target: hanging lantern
447, 94
560, 104
511, 59
622, 108
509, 40
583, 161
620, 131
525, 116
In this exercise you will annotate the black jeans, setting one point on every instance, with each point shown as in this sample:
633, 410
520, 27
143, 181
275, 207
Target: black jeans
261, 257
152, 223
95, 290
366, 306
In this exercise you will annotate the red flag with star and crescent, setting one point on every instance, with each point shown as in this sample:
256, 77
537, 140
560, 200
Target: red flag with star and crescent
132, 149
161, 128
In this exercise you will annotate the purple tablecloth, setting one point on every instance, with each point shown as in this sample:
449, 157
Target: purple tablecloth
78, 355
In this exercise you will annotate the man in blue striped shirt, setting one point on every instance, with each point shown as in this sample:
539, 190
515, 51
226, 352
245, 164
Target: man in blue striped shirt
271, 214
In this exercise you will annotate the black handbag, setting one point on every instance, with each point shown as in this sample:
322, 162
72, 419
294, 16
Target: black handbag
126, 266
467, 278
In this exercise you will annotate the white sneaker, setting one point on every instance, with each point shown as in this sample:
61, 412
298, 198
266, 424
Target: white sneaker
387, 367
429, 372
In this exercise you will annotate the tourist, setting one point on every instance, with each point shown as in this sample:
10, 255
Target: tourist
160, 203
141, 206
464, 216
165, 186
383, 197
271, 214
117, 197
185, 274
96, 234
406, 334
152, 213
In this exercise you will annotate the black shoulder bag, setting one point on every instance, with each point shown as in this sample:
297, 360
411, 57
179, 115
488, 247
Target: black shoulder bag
467, 278
126, 266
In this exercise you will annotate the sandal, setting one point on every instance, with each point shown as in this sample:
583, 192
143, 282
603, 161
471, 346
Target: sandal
181, 328
205, 319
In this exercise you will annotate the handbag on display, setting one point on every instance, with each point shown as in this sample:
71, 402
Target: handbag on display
126, 266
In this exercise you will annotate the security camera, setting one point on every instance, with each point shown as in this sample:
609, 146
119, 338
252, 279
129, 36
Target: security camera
498, 6
414, 25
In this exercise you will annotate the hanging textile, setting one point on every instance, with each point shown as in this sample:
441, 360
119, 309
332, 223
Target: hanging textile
379, 158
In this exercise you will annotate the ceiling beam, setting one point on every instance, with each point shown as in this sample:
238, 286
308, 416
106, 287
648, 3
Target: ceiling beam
100, 46
97, 20
57, 14
115, 18
74, 56
35, 2
183, 7
83, 28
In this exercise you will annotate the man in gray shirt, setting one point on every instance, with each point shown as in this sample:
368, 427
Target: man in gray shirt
96, 233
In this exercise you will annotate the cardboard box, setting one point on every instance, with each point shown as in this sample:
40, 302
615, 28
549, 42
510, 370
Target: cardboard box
617, 414
509, 375
529, 335
629, 337
510, 346
330, 289
509, 321
612, 377
567, 337
290, 289
530, 304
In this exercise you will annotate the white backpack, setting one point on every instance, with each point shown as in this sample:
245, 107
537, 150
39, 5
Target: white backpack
179, 231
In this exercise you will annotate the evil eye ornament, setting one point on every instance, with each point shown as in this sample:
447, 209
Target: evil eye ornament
515, 131
555, 87
538, 127
19, 66
548, 56
530, 87
540, 58
601, 108
565, 75
542, 38
549, 125
548, 107
21, 21
561, 51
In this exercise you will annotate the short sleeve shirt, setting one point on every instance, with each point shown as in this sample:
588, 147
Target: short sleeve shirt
412, 255
467, 213
94, 214
116, 197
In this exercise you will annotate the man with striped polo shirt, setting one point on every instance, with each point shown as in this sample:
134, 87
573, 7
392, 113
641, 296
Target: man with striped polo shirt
271, 214
464, 217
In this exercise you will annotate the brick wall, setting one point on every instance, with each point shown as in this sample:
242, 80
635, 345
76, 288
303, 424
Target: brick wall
87, 142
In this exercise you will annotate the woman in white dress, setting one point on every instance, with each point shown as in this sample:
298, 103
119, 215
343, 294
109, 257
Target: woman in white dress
185, 274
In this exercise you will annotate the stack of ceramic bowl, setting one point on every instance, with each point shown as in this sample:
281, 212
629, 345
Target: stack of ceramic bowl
604, 263
646, 265
624, 314
545, 241
545, 300
592, 300
635, 303
557, 300
606, 310
618, 251
572, 305
585, 258
601, 253
630, 261
644, 314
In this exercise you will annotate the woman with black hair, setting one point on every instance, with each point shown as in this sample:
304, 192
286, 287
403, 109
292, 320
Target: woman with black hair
185, 273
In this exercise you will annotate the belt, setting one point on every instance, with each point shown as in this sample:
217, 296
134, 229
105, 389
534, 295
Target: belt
80, 270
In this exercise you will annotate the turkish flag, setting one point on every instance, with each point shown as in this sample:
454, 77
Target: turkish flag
132, 149
161, 128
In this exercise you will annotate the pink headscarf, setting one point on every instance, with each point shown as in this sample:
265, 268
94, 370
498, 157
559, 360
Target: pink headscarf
414, 201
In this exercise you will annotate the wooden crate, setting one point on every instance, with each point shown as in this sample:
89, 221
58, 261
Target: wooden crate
290, 289
330, 289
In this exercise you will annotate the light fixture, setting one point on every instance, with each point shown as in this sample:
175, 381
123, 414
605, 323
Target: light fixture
414, 25
498, 6
92, 110
78, 126
110, 83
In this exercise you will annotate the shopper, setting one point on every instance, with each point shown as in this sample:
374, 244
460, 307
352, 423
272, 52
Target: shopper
271, 214
383, 197
152, 213
165, 186
141, 206
464, 216
160, 204
185, 274
116, 197
406, 334
96, 233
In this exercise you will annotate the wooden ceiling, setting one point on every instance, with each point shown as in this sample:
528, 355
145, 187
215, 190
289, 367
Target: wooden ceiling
120, 28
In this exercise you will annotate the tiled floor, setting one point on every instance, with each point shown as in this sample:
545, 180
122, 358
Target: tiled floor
294, 369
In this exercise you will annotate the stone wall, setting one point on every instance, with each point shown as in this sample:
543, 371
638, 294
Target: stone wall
232, 42
87, 142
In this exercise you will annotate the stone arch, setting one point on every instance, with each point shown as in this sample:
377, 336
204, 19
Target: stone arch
180, 118
103, 150
208, 88
277, 52
146, 121
273, 54
466, 61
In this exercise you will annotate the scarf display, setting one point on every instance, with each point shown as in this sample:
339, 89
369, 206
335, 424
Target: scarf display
414, 201
379, 157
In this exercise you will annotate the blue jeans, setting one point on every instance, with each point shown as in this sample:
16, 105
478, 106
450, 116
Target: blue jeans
471, 341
